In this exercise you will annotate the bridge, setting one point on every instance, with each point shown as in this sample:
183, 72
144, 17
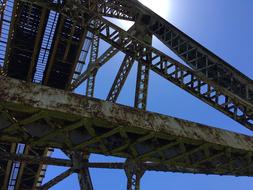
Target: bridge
44, 48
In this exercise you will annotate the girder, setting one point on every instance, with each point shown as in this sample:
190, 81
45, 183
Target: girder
142, 80
199, 58
6, 165
109, 8
187, 79
93, 58
120, 79
101, 60
82, 57
193, 82
115, 9
206, 89
80, 165
56, 180
106, 56
134, 172
106, 128
148, 166
26, 32
42, 117
141, 91
28, 173
202, 60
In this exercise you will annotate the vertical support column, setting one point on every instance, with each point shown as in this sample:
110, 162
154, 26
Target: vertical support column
134, 172
141, 91
93, 57
80, 165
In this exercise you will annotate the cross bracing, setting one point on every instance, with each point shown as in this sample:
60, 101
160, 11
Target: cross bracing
47, 42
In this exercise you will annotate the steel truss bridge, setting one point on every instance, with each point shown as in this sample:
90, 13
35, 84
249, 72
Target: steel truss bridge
43, 48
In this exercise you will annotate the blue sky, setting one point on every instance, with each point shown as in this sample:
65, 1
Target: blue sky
223, 26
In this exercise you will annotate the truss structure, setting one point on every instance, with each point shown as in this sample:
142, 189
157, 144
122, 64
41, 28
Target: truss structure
45, 46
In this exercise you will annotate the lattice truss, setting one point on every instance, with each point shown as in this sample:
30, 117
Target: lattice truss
55, 45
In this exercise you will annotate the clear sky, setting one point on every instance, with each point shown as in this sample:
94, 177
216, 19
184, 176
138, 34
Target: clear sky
223, 26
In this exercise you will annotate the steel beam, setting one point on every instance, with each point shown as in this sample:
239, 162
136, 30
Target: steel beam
110, 8
199, 58
77, 61
120, 79
105, 57
148, 166
194, 83
93, 58
134, 172
199, 85
202, 60
141, 91
56, 180
77, 116
8, 165
80, 165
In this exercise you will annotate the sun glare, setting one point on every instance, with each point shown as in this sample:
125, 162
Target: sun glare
160, 7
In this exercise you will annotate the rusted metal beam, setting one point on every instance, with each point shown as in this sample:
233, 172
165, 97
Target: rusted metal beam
109, 122
134, 172
148, 166
21, 169
83, 40
23, 158
80, 165
120, 79
199, 58
93, 58
204, 88
42, 169
56, 180
172, 70
8, 167
112, 8
142, 80
141, 91
105, 57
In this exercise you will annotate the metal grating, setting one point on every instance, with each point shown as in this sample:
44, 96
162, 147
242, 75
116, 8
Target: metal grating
45, 47
5, 27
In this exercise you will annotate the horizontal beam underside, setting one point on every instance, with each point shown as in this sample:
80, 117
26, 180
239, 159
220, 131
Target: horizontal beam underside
47, 117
